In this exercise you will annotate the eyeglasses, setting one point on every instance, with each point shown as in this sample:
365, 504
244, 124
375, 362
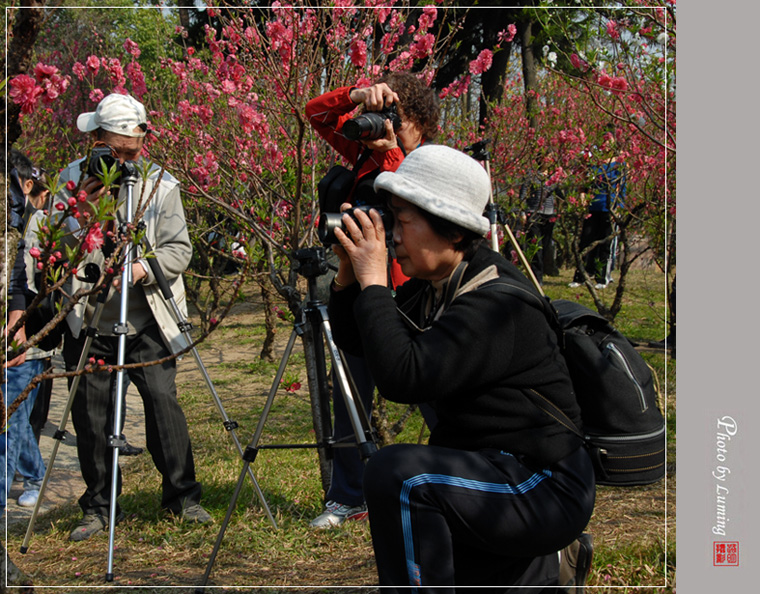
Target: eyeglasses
37, 173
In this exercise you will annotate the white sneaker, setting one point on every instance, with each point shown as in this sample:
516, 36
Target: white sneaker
29, 498
600, 286
574, 285
336, 513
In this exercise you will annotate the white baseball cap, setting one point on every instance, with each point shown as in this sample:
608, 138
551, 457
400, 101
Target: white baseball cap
442, 181
116, 113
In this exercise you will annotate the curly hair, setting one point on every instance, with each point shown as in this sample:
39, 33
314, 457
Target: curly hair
417, 102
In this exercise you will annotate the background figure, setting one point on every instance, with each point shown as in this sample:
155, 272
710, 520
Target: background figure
609, 190
540, 216
19, 448
502, 486
417, 107
120, 122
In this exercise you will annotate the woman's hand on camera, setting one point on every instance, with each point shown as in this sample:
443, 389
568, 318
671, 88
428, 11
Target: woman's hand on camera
345, 275
386, 143
375, 98
364, 244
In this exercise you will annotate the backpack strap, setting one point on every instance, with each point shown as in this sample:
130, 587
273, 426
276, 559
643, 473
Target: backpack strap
363, 158
544, 305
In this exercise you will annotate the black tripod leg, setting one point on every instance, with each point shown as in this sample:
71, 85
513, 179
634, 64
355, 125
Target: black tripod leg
249, 456
184, 327
366, 447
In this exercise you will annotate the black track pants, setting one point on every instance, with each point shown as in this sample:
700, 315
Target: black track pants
443, 517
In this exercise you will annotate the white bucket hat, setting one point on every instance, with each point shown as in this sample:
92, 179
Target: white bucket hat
442, 181
116, 113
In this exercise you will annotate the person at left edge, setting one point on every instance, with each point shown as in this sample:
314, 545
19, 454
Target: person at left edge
120, 122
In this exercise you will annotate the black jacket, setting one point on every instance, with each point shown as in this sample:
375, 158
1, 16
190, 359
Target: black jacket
476, 365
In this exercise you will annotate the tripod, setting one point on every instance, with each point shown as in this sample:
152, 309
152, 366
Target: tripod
495, 215
129, 177
314, 328
91, 275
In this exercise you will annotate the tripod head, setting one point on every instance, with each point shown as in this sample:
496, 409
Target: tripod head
479, 150
129, 173
311, 262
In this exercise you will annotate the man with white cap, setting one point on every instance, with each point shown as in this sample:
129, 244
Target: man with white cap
502, 486
120, 122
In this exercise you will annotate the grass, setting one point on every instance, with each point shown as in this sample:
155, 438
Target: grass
633, 528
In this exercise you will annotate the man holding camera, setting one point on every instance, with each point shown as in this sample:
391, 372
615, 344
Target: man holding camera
409, 112
120, 123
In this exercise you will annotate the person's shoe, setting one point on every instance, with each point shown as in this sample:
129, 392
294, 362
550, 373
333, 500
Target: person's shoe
575, 564
600, 286
91, 524
574, 285
195, 514
29, 498
129, 450
336, 513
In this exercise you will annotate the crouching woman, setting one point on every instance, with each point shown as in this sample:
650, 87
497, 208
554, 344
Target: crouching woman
502, 486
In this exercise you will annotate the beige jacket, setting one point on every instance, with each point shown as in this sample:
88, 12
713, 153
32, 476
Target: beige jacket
166, 230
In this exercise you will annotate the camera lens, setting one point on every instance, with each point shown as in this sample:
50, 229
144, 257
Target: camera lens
368, 126
101, 161
330, 221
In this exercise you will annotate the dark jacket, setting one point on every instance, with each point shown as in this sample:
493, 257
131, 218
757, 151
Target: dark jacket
477, 365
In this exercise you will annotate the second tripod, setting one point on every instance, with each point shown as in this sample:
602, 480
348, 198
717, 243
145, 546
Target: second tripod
316, 333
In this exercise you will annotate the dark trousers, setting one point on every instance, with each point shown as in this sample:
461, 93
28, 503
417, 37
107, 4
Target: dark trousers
595, 227
441, 517
41, 405
539, 229
166, 431
347, 466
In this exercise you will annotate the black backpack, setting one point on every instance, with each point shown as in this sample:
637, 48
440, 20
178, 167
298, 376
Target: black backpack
623, 427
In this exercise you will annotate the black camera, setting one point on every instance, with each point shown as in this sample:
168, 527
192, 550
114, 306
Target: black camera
371, 125
101, 161
330, 221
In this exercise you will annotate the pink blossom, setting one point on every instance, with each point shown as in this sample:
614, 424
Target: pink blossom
25, 92
423, 46
508, 35
136, 76
427, 18
79, 70
482, 62
93, 63
619, 85
132, 48
578, 62
43, 71
94, 239
612, 30
34, 252
358, 53
96, 95
70, 185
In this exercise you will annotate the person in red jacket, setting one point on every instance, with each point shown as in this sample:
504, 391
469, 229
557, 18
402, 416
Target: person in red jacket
417, 106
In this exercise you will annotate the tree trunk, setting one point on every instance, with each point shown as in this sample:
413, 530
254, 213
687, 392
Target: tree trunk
529, 71
26, 26
492, 80
270, 321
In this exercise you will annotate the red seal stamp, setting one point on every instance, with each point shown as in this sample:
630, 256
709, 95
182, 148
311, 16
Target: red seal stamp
726, 554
